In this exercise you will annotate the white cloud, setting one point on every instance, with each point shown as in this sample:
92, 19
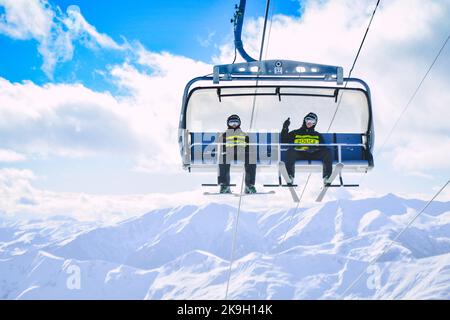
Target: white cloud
54, 30
62, 120
206, 42
15, 184
25, 19
73, 121
11, 156
19, 199
80, 28
423, 151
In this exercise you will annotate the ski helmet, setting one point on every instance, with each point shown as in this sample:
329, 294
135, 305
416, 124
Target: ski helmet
311, 117
234, 121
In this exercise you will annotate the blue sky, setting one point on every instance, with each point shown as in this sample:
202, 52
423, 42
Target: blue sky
90, 97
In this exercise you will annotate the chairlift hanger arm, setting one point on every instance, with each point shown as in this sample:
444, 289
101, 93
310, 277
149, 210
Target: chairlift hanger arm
238, 23
254, 67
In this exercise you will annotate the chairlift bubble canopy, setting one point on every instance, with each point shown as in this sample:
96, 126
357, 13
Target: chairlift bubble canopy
264, 94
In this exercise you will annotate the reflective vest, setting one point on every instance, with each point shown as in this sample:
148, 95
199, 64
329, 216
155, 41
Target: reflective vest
235, 140
305, 139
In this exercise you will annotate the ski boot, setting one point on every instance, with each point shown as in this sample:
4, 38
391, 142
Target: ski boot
326, 181
225, 189
290, 182
250, 189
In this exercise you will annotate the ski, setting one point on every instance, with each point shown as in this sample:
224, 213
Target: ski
337, 170
254, 194
284, 173
219, 194
237, 194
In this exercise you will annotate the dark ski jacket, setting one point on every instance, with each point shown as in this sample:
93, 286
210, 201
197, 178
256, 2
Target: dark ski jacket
302, 136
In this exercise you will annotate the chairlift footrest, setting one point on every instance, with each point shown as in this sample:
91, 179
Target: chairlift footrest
280, 185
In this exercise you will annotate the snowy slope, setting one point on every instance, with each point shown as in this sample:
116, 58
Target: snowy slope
183, 252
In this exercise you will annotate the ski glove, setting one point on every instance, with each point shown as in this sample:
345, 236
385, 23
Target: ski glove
286, 124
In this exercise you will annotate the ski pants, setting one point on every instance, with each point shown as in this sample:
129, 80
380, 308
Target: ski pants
224, 174
319, 154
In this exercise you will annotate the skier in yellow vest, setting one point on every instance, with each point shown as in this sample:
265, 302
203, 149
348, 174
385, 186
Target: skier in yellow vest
234, 146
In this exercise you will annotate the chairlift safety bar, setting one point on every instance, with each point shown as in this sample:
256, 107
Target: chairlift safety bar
338, 145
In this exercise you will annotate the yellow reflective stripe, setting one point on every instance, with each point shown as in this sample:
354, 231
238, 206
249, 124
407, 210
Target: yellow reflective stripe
235, 140
298, 136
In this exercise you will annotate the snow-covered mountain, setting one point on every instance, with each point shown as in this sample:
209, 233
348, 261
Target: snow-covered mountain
184, 252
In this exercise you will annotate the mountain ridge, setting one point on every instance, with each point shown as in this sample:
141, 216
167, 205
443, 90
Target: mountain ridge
184, 252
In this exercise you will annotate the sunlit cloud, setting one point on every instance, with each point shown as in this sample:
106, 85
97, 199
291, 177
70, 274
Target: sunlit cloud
11, 156
55, 31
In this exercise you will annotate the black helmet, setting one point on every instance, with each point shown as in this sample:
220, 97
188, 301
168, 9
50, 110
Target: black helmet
233, 119
311, 116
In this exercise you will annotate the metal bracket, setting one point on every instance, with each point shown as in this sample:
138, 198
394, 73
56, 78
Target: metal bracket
279, 68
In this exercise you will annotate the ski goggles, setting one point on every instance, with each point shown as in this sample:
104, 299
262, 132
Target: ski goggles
310, 121
234, 123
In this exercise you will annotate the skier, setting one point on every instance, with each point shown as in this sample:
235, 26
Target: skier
305, 135
235, 146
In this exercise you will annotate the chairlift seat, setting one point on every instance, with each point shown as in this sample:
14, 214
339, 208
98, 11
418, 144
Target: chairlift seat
203, 153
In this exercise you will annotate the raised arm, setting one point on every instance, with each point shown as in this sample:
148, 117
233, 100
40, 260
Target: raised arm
285, 131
